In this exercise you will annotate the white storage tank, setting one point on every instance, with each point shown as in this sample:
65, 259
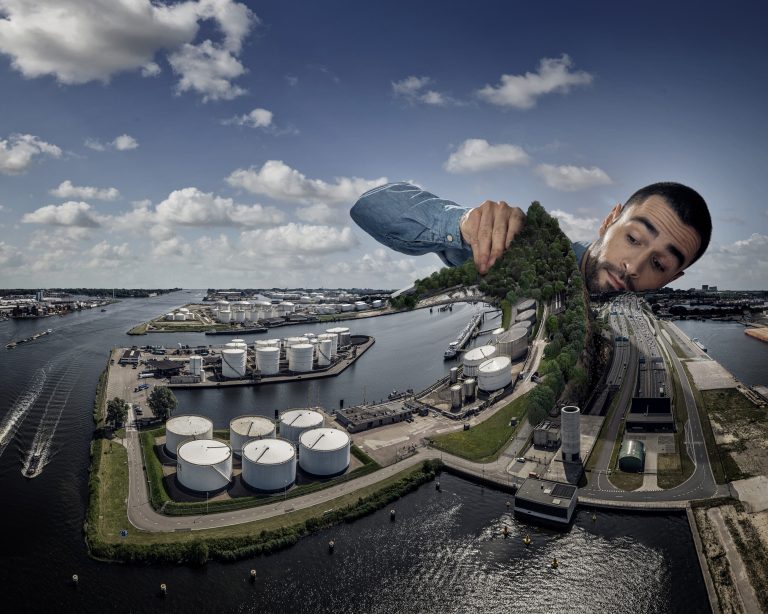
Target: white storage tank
513, 343
268, 360
324, 451
468, 387
347, 307
570, 433
233, 362
524, 325
169, 316
244, 428
190, 316
361, 305
196, 365
269, 464
239, 316
295, 421
181, 428
179, 317
333, 338
324, 352
525, 305
456, 394
225, 316
240, 341
527, 316
494, 374
376, 303
204, 465
183, 310
472, 359
454, 375
300, 357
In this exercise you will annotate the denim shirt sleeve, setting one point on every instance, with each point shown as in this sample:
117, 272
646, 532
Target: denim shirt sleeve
412, 221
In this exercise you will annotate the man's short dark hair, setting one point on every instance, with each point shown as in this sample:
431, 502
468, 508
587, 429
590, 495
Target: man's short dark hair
686, 202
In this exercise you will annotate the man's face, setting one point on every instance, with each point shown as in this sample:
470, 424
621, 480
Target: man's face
643, 248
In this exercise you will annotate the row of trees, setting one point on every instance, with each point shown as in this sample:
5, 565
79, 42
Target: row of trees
161, 401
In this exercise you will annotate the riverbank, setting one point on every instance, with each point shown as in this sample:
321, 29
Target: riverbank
757, 333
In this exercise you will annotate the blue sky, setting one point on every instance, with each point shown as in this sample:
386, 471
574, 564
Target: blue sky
222, 143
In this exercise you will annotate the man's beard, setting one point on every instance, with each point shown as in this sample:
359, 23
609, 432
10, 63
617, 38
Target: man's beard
593, 266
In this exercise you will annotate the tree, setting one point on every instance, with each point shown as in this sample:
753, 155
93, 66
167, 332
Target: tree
117, 411
162, 402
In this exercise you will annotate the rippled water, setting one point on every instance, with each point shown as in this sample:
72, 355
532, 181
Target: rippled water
444, 553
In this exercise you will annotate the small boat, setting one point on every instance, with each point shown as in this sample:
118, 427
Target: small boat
34, 463
103, 309
451, 350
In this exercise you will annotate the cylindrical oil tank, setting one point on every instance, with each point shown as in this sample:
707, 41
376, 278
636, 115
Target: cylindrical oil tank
454, 375
169, 316
181, 428
239, 341
456, 396
204, 465
268, 360
244, 428
525, 325
525, 305
295, 421
233, 361
196, 365
179, 317
495, 373
269, 464
472, 359
469, 385
526, 316
300, 357
361, 305
324, 349
324, 451
513, 343
225, 316
333, 338
239, 316
570, 432
376, 304
347, 307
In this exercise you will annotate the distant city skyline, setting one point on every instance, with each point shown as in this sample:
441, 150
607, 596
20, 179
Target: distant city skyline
216, 143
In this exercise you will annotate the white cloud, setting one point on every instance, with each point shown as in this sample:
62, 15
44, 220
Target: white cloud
321, 214
281, 182
10, 256
18, 150
70, 213
192, 207
577, 228
292, 80
299, 239
522, 91
568, 178
173, 248
479, 155
208, 70
91, 40
257, 118
415, 89
104, 255
67, 190
741, 265
125, 142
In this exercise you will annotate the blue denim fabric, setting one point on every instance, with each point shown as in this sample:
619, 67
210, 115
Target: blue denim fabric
413, 221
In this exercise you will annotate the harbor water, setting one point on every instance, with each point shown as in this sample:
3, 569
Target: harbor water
444, 553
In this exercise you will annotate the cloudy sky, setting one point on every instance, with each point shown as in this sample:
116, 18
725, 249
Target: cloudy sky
222, 143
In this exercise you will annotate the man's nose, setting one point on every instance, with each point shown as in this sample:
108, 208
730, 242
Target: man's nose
631, 268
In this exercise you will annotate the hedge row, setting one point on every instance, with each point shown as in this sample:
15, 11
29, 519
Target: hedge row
232, 548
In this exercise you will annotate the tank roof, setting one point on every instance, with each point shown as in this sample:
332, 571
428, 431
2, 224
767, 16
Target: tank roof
478, 353
251, 425
268, 451
204, 451
324, 439
514, 334
301, 417
498, 363
189, 424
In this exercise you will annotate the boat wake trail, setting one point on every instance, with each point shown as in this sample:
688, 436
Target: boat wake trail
15, 416
39, 453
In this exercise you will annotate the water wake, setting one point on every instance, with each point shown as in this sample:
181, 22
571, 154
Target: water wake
15, 416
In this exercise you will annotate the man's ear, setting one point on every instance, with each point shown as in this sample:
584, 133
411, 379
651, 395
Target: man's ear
610, 219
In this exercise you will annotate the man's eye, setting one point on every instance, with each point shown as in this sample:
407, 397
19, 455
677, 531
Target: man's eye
658, 266
631, 239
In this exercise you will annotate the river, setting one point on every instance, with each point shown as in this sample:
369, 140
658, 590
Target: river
444, 552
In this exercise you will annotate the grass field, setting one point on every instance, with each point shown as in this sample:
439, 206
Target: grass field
484, 442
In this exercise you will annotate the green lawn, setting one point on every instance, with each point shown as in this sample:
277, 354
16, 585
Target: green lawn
483, 443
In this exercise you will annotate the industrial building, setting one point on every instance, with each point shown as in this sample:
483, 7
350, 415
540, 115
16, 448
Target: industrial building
130, 357
364, 417
546, 501
547, 435
650, 414
632, 456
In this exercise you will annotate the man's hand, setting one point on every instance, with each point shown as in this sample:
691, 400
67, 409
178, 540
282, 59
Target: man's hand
489, 229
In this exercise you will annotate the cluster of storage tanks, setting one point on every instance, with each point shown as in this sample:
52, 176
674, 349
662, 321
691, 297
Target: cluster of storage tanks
180, 315
205, 464
489, 367
253, 311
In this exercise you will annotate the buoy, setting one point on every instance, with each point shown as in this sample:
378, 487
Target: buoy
505, 531
331, 545
163, 589
554, 562
253, 575
75, 579
527, 540
508, 504
437, 486
594, 517
392, 514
